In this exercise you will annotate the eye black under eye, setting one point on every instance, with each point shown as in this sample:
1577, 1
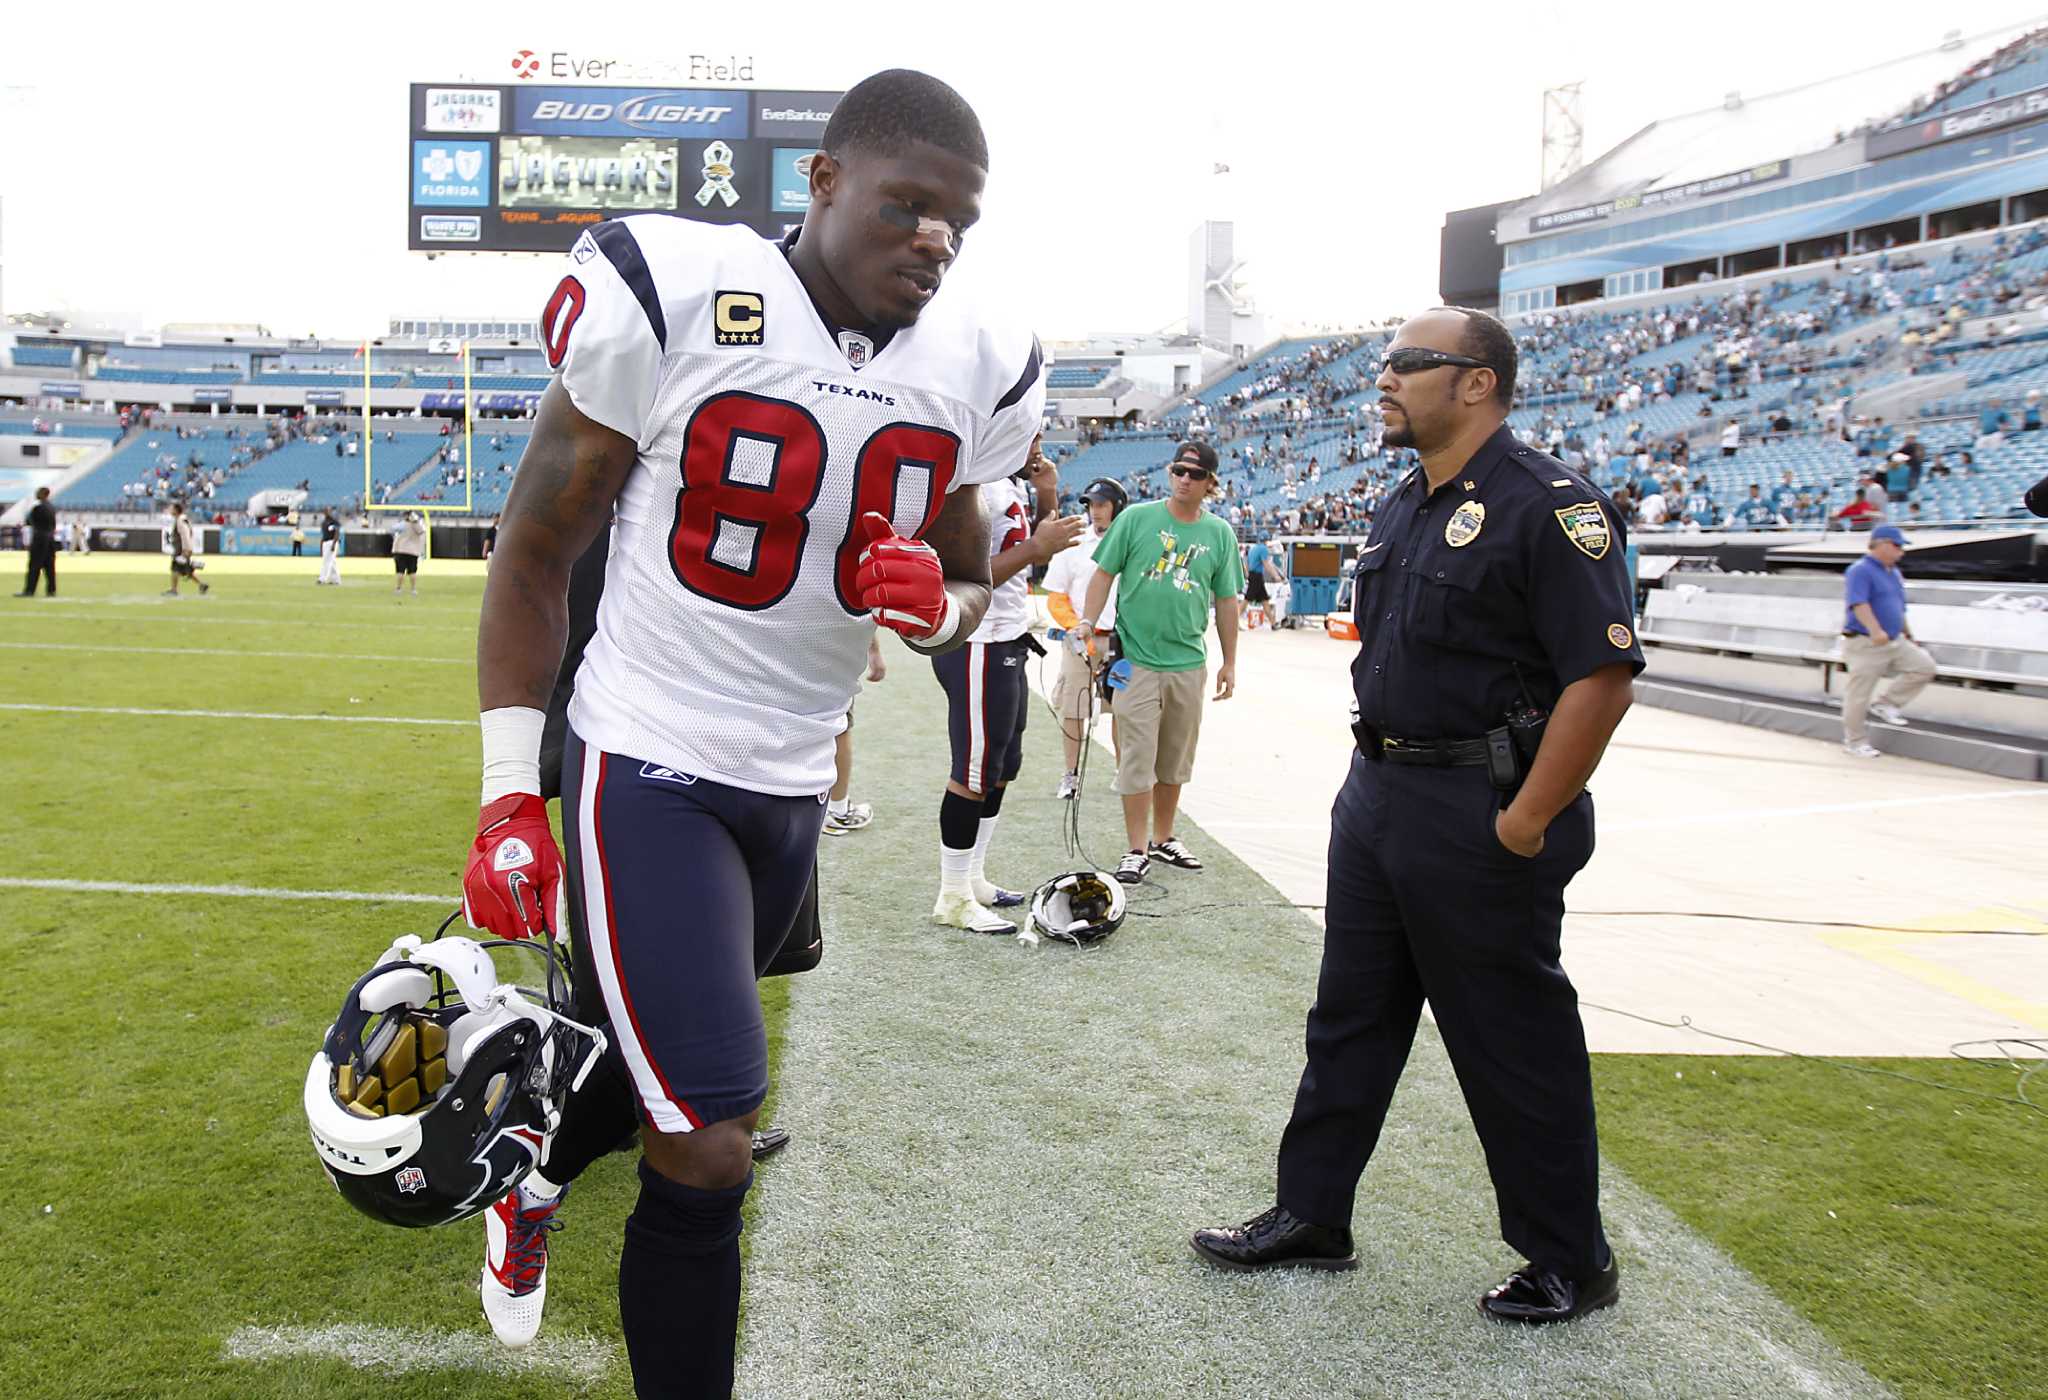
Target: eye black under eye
900, 216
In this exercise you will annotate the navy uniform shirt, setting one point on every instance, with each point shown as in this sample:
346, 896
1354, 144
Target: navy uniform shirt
1516, 562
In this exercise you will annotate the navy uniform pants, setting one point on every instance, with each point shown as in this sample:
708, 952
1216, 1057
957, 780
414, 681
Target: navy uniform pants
1425, 904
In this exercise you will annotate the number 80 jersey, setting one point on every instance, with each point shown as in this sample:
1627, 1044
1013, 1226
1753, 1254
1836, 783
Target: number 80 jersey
729, 639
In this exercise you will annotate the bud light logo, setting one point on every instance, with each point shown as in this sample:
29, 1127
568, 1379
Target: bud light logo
630, 112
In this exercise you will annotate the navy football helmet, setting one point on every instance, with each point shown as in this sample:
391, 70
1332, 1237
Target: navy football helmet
439, 1087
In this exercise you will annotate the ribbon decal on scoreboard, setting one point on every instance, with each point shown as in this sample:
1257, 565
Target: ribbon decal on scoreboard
717, 176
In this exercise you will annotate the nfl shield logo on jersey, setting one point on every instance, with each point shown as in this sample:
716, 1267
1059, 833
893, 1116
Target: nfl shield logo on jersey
410, 1179
859, 349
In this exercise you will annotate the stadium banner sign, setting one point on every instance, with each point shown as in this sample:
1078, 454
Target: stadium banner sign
670, 112
58, 389
514, 402
790, 185
326, 396
1657, 199
1994, 115
451, 228
147, 340
469, 111
792, 116
451, 173
213, 396
244, 539
574, 172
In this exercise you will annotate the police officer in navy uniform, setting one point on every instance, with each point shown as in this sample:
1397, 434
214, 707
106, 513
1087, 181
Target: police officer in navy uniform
1496, 658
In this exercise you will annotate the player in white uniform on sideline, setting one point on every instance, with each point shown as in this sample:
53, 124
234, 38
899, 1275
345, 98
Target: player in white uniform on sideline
786, 441
986, 695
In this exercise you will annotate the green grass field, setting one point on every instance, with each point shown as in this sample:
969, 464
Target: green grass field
166, 1216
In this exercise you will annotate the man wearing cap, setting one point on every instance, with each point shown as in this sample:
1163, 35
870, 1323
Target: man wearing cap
1171, 559
1066, 588
1877, 642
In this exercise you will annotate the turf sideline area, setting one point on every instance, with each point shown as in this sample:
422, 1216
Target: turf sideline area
1003, 1150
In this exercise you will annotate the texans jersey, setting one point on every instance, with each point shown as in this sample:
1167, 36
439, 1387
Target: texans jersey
730, 639
1009, 506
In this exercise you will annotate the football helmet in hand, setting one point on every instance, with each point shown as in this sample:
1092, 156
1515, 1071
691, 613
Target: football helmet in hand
438, 1088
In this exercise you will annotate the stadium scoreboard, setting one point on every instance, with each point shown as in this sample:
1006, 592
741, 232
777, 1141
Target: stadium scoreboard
524, 168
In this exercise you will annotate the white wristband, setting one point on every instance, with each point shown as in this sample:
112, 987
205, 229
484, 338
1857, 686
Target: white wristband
948, 625
511, 750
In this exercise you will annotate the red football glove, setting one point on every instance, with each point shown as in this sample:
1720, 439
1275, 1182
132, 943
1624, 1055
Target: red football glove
515, 872
901, 583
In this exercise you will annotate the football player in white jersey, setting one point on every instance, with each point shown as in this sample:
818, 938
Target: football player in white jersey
986, 696
785, 442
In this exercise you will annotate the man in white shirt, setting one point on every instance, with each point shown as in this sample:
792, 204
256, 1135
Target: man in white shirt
1066, 585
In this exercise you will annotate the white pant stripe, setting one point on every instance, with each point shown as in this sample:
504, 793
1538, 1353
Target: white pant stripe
667, 1116
977, 715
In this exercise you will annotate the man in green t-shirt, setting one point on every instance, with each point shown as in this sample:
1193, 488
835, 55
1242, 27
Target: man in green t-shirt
1175, 559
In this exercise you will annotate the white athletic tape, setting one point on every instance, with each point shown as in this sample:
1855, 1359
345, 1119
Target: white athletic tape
20, 882
228, 714
395, 1351
233, 651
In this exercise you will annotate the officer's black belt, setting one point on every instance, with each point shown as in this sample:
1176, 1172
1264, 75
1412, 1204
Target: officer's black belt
1434, 753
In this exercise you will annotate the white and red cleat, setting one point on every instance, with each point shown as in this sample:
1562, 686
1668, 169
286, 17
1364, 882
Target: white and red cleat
515, 1277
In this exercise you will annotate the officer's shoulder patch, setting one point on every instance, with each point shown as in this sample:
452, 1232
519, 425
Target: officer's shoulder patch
1585, 525
1619, 635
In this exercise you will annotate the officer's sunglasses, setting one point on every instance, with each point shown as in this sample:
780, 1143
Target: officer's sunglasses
1416, 361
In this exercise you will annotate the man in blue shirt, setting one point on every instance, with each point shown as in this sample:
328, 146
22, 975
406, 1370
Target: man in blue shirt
1754, 512
1877, 642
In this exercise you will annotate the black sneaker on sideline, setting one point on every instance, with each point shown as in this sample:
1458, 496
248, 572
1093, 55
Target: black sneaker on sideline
1133, 867
1173, 853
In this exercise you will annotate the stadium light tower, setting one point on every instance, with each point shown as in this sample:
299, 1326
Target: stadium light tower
1564, 133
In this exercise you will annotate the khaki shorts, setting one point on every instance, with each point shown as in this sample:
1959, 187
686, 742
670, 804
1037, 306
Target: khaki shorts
1070, 687
1159, 717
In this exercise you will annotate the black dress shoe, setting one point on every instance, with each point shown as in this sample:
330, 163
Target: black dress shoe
770, 1141
1536, 1295
1277, 1238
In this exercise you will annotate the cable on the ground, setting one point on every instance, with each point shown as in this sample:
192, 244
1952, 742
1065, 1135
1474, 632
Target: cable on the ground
2018, 1097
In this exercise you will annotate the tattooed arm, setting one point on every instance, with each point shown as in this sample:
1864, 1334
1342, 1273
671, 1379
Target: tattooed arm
572, 471
960, 538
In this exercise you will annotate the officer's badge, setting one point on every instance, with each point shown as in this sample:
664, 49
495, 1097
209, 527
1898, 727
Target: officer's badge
1465, 523
1586, 527
1619, 635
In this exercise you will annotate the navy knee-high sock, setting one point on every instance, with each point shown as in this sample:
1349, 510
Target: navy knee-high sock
679, 1288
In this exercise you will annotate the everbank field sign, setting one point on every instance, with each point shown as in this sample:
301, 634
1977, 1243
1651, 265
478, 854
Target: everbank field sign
579, 66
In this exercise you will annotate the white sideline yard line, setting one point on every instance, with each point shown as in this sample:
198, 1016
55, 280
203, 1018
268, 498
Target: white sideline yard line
358, 602
395, 1351
298, 620
24, 882
229, 714
234, 651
